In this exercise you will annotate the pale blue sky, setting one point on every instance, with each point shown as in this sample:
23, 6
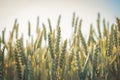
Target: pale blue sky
25, 10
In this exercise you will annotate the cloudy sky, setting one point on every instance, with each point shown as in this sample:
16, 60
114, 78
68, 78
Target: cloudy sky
28, 10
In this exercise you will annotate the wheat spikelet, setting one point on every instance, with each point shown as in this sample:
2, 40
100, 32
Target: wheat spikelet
50, 46
114, 31
110, 45
71, 56
57, 43
17, 26
98, 25
37, 26
73, 20
38, 41
20, 51
105, 32
84, 73
56, 51
18, 66
58, 23
62, 55
83, 42
29, 29
76, 24
95, 62
50, 27
91, 39
2, 63
3, 36
44, 30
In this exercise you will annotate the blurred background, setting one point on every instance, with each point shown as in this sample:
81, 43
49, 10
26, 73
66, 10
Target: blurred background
28, 10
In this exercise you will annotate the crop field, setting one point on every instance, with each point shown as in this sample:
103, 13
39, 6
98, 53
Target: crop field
97, 58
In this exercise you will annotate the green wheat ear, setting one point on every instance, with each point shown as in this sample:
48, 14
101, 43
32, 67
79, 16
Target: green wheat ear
95, 59
105, 32
3, 36
39, 40
62, 55
57, 43
91, 36
59, 19
20, 58
2, 63
71, 56
118, 31
77, 60
37, 26
85, 69
44, 31
76, 24
53, 73
50, 46
62, 60
16, 29
29, 29
57, 46
18, 66
118, 23
80, 35
79, 30
20, 51
83, 42
98, 25
50, 27
114, 34
14, 26
110, 45
30, 70
79, 26
73, 20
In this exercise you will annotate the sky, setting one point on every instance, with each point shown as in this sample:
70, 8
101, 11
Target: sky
28, 10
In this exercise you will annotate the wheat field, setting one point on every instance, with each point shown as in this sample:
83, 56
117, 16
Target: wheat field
76, 58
